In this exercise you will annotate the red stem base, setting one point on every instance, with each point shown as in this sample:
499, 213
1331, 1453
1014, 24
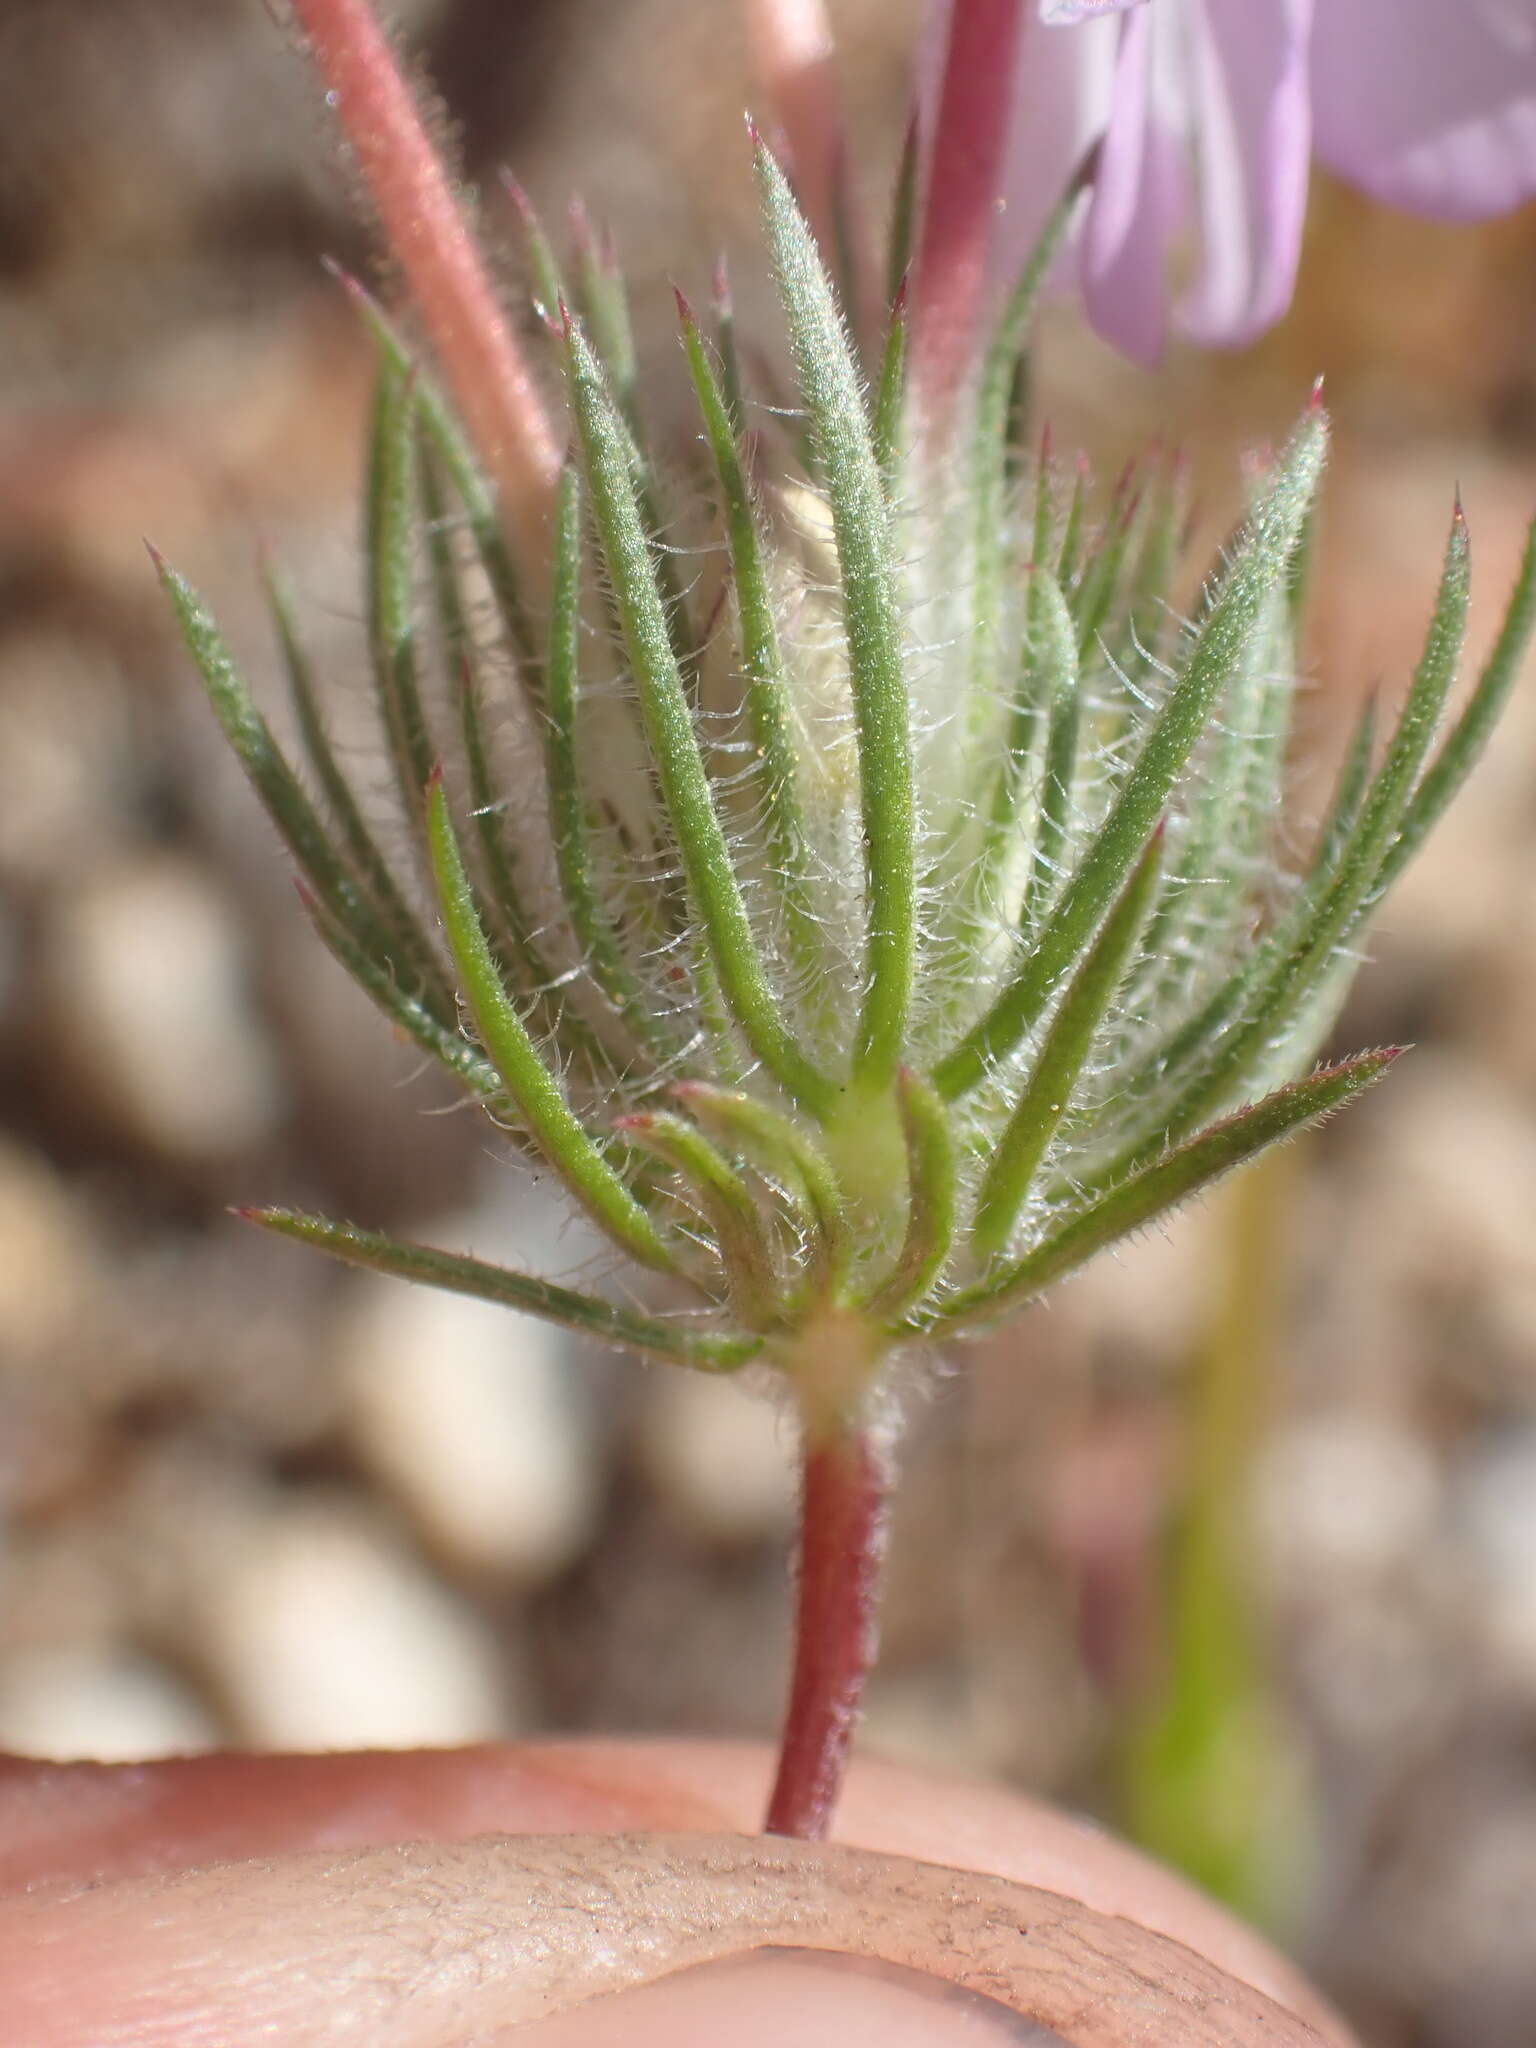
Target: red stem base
842, 1550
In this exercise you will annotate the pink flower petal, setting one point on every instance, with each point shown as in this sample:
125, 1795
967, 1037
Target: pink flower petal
1063, 13
1133, 210
1429, 104
1062, 88
1252, 142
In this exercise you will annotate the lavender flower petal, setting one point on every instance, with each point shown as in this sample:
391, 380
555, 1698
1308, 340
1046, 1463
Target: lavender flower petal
1136, 203
1429, 104
1066, 13
1250, 107
1063, 84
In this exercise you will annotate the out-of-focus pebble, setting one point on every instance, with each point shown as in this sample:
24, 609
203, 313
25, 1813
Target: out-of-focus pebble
45, 1266
1343, 1496
466, 1411
1497, 1500
151, 1010
1453, 1194
720, 1457
66, 780
1371, 1666
922, 1718
323, 1632
91, 1705
1153, 1292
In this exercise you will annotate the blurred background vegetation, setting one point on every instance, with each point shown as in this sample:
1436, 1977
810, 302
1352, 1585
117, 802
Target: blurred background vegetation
1233, 1543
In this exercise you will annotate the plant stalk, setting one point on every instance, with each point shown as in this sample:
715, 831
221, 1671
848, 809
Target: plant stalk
843, 1520
431, 239
965, 162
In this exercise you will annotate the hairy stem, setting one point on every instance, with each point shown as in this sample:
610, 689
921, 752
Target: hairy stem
965, 160
431, 240
842, 1549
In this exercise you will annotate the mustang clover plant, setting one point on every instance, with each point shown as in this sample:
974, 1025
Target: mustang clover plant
834, 860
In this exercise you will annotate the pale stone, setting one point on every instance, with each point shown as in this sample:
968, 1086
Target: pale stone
97, 1705
465, 1411
148, 986
722, 1458
45, 1271
1371, 1663
323, 1632
66, 786
1498, 1525
1344, 1495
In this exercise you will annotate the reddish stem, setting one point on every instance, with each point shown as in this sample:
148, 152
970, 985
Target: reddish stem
842, 1550
965, 164
431, 239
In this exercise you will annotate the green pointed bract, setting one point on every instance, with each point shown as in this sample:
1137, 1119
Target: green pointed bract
646, 1336
932, 1199
549, 292
604, 302
738, 1227
991, 438
391, 524
899, 241
890, 394
517, 953
1347, 881
568, 809
468, 480
1047, 1095
1259, 568
786, 1153
323, 864
553, 1127
1160, 1187
768, 711
1053, 659
1472, 729
445, 1043
1069, 549
1141, 639
1099, 585
674, 743
730, 356
361, 847
872, 623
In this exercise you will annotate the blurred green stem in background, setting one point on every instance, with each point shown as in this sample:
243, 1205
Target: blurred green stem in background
1211, 1778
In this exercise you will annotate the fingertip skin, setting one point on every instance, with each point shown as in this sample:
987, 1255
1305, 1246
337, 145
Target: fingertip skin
422, 1944
321, 1892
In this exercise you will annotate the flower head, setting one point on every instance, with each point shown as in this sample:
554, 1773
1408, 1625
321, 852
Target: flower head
899, 915
845, 874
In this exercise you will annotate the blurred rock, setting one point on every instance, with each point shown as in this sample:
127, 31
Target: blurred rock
1496, 1501
98, 1706
67, 781
723, 1459
47, 1271
322, 1631
152, 1014
467, 1414
1148, 1299
1343, 1497
1453, 1189
1371, 1666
